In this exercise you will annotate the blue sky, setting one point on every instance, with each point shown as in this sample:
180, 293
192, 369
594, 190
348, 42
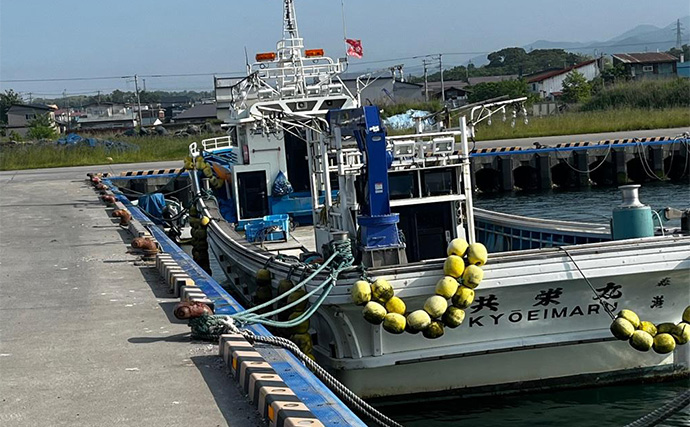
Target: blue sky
43, 39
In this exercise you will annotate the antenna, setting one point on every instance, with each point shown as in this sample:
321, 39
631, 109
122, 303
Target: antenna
246, 61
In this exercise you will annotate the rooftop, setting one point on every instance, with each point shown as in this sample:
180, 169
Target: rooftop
540, 77
201, 111
33, 106
644, 58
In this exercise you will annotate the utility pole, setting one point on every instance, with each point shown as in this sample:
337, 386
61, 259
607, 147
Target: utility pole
426, 80
31, 99
64, 96
136, 88
99, 96
144, 80
443, 89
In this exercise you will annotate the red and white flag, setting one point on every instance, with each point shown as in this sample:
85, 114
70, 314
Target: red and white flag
354, 48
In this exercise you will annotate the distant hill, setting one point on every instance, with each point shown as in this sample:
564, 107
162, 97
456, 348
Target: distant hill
642, 38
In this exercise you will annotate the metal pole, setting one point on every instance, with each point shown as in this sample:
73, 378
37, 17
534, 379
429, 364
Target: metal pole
467, 180
136, 88
426, 82
440, 66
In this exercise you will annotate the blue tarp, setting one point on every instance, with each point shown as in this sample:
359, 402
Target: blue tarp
405, 120
73, 140
153, 204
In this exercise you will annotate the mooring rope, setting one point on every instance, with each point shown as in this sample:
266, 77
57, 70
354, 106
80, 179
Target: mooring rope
663, 412
208, 326
597, 297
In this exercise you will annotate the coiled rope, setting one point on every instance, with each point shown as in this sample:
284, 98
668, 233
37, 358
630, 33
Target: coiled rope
341, 259
208, 326
663, 412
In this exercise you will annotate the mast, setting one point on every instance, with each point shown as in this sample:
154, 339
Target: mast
291, 46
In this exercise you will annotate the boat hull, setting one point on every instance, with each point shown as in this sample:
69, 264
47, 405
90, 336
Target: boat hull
535, 318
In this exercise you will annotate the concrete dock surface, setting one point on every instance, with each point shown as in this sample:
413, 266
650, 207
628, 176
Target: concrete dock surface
87, 335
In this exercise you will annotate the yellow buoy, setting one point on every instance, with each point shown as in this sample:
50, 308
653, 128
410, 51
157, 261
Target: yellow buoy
418, 320
453, 317
648, 327
434, 330
681, 333
665, 328
263, 274
394, 323
396, 305
686, 314
361, 292
299, 293
622, 329
447, 287
454, 266
464, 297
285, 285
630, 316
664, 343
301, 328
472, 276
204, 221
641, 340
457, 247
435, 305
381, 290
374, 313
303, 341
477, 254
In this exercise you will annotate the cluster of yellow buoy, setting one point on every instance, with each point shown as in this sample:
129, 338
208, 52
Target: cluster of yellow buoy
454, 293
263, 293
199, 242
205, 168
644, 335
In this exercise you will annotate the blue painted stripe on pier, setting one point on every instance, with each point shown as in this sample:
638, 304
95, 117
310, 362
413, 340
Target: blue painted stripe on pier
164, 175
325, 405
603, 145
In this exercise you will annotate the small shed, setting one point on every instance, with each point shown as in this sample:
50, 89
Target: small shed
648, 65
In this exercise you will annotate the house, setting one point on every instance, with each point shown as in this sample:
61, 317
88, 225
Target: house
650, 65
105, 109
119, 122
549, 83
492, 79
455, 91
198, 114
385, 90
19, 116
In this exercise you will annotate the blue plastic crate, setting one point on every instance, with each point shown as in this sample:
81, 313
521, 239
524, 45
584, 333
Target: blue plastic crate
257, 230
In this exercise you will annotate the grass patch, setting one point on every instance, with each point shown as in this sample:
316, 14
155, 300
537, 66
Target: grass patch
586, 122
662, 93
45, 155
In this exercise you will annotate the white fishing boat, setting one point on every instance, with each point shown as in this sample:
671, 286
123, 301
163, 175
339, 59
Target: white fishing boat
540, 317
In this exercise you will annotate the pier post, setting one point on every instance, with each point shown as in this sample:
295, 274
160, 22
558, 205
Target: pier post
505, 167
657, 160
544, 170
581, 159
620, 167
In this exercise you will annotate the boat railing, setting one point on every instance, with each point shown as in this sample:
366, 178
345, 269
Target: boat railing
216, 144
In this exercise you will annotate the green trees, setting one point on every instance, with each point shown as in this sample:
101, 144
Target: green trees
484, 91
41, 127
6, 100
576, 88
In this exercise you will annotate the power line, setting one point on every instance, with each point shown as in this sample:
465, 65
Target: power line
242, 73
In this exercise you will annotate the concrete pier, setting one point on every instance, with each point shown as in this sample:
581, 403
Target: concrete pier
87, 335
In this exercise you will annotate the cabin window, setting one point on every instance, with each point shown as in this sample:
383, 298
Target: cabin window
403, 185
439, 182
